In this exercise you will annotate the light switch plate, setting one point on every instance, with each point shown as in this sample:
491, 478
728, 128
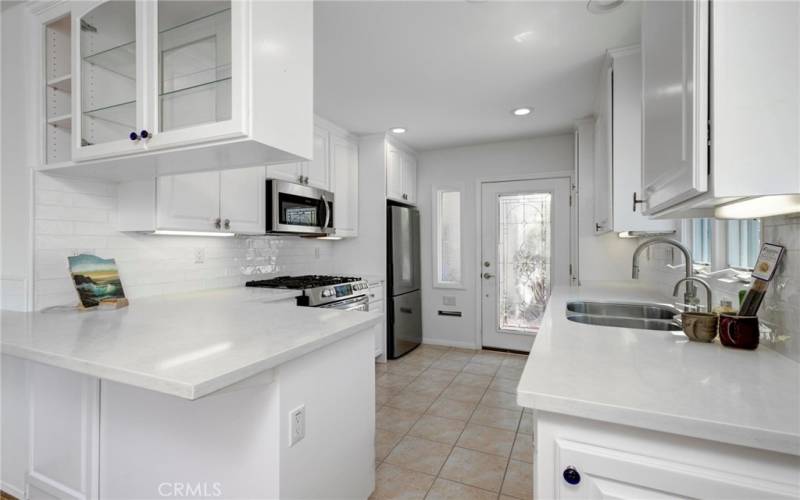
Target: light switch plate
297, 425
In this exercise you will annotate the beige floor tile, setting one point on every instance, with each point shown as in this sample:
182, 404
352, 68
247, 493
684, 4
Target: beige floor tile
433, 348
496, 417
519, 480
381, 398
449, 364
426, 386
460, 392
480, 369
470, 379
450, 408
385, 441
515, 361
465, 350
489, 358
439, 429
523, 448
443, 489
407, 369
474, 468
392, 482
509, 372
419, 455
412, 401
526, 424
438, 375
393, 381
487, 439
457, 356
499, 399
504, 384
395, 420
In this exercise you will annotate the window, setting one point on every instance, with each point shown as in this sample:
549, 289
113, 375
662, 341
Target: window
448, 238
701, 241
744, 240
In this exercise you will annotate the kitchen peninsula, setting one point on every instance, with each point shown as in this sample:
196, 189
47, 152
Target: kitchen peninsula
236, 392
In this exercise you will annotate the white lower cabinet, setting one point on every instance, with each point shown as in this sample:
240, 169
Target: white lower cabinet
587, 459
377, 303
231, 201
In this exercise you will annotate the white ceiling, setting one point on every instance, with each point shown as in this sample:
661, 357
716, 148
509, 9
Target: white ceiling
452, 71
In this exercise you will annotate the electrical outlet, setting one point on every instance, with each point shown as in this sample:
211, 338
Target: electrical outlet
449, 300
199, 255
297, 425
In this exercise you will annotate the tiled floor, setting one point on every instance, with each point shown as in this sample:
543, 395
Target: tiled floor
448, 426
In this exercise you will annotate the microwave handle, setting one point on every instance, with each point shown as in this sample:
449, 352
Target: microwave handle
327, 213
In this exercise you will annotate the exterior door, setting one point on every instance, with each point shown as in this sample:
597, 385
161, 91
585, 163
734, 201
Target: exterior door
525, 251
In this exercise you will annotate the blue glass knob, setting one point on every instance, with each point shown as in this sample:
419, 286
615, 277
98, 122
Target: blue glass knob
134, 136
571, 475
144, 134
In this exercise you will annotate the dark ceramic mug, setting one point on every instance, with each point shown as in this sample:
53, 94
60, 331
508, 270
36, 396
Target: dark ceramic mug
738, 331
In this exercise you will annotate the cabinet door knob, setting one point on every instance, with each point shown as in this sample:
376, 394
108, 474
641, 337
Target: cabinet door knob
133, 136
597, 227
218, 223
636, 201
144, 134
227, 223
571, 475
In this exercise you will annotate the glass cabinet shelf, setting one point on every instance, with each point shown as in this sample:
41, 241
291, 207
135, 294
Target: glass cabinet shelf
120, 59
123, 114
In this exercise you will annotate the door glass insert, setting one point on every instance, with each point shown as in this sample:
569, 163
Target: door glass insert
108, 72
194, 51
523, 260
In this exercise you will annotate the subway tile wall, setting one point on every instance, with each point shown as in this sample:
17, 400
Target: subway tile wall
780, 312
78, 216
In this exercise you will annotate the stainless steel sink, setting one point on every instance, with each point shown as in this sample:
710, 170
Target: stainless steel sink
643, 324
624, 310
625, 315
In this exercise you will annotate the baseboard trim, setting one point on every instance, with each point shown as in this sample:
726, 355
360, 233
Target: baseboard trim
8, 492
450, 343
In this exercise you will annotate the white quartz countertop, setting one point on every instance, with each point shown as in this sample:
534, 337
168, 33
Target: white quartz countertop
186, 345
660, 380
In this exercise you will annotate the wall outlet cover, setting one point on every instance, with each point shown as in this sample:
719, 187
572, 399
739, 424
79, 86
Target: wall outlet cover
297, 425
199, 255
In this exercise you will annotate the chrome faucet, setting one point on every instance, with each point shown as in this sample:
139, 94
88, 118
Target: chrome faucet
688, 281
690, 297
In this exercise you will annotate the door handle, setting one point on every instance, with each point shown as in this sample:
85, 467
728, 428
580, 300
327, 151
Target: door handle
487, 276
406, 310
327, 214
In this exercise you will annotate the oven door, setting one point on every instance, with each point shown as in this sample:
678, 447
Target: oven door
293, 208
355, 304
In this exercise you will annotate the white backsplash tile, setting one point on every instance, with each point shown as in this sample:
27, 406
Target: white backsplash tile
78, 216
780, 312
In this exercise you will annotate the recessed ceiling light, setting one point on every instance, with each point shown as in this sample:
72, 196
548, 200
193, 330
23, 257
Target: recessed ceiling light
398, 130
522, 111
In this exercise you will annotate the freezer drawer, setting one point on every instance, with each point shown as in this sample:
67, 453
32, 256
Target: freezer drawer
405, 329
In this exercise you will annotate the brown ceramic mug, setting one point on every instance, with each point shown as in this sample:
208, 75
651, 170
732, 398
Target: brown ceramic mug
738, 331
699, 326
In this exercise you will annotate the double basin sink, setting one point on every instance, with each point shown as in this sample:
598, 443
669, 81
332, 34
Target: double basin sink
644, 316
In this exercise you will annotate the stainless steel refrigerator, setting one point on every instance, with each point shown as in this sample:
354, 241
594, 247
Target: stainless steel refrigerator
405, 301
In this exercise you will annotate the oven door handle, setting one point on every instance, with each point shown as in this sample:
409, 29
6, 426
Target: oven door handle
324, 226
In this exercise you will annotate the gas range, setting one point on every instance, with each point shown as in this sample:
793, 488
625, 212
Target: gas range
343, 292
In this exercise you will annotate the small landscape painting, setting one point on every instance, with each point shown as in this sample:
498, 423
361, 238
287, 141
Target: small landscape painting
97, 281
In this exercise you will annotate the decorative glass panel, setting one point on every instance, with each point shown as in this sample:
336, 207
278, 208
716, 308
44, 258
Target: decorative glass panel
108, 72
448, 233
194, 44
523, 260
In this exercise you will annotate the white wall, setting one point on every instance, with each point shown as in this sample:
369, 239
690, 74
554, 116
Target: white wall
466, 165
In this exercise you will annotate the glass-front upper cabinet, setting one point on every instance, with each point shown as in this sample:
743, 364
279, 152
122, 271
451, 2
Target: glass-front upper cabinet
198, 71
106, 64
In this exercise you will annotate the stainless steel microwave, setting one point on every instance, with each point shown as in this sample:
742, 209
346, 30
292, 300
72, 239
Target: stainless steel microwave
298, 209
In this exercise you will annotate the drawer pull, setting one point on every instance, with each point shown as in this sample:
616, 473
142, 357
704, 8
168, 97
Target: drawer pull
571, 475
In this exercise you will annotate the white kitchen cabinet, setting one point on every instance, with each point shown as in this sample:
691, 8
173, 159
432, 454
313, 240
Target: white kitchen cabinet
618, 164
744, 142
151, 81
378, 304
316, 172
230, 201
292, 172
401, 174
612, 461
344, 167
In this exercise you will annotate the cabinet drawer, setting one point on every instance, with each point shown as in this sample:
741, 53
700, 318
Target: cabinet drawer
375, 292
